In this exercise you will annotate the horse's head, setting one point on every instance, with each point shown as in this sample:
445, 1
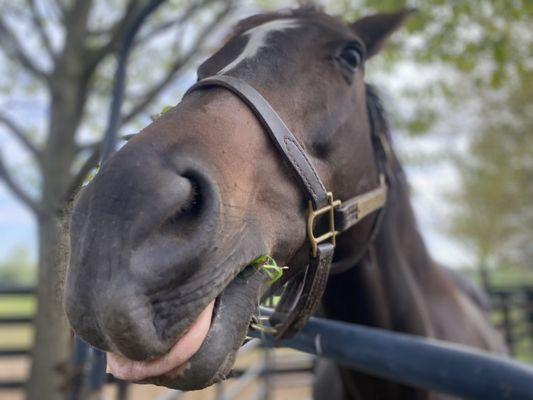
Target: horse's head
161, 237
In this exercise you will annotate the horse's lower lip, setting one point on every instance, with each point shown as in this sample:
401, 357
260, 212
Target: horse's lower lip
123, 368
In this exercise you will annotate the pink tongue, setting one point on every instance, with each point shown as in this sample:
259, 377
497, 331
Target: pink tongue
130, 370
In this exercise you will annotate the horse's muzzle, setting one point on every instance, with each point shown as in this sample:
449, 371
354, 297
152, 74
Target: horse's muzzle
135, 281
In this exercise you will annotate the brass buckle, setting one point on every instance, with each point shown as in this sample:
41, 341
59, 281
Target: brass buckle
311, 216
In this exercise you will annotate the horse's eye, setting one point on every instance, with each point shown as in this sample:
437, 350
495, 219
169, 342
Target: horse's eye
350, 57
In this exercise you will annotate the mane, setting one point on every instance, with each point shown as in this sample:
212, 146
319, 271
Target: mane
376, 111
379, 124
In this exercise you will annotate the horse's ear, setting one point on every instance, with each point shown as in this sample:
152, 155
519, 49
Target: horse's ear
375, 29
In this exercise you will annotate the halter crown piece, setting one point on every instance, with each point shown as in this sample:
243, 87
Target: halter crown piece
302, 292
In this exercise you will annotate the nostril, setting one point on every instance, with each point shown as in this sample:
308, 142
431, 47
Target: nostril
184, 193
196, 199
173, 248
183, 216
153, 203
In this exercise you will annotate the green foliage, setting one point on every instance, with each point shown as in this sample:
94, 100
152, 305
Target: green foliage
483, 45
422, 122
17, 269
495, 215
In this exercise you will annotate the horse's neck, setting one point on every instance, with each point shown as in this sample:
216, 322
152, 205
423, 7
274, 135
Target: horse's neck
384, 289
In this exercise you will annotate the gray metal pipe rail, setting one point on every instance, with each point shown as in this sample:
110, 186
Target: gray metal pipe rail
426, 363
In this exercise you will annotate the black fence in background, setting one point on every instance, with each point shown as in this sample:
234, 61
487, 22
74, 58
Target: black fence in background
10, 320
15, 352
270, 369
512, 313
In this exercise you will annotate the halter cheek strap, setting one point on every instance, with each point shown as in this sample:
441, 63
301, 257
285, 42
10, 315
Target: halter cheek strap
303, 292
283, 138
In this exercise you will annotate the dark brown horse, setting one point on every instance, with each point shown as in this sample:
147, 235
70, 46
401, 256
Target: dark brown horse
161, 238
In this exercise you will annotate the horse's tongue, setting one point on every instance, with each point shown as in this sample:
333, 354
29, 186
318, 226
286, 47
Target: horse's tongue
130, 370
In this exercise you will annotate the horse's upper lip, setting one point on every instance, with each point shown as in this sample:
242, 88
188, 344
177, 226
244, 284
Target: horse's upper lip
207, 349
131, 370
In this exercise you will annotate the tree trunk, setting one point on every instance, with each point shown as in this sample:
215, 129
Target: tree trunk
52, 336
483, 271
69, 83
484, 277
68, 94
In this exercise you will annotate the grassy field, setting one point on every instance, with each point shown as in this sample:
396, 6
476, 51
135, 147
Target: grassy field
504, 277
20, 305
19, 335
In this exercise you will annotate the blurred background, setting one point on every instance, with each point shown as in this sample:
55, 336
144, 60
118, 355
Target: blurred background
456, 82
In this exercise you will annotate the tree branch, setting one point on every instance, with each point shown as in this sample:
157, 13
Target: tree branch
115, 36
173, 21
77, 181
14, 49
39, 26
22, 137
176, 66
61, 8
18, 191
90, 146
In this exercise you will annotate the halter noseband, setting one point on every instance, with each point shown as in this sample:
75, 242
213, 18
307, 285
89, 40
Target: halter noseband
301, 297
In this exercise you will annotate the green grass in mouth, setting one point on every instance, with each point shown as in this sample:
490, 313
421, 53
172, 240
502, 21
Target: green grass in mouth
269, 266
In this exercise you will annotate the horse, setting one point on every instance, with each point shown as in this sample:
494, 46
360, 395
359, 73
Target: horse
164, 240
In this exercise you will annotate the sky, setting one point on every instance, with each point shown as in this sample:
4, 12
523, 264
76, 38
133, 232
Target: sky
430, 183
17, 227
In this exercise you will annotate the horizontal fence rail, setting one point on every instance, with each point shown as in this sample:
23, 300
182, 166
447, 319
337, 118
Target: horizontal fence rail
416, 361
14, 320
467, 376
17, 352
18, 290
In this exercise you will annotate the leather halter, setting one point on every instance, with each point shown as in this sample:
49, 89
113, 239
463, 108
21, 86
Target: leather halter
303, 292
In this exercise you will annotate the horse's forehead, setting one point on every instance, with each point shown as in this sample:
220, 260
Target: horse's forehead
258, 38
254, 35
273, 25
